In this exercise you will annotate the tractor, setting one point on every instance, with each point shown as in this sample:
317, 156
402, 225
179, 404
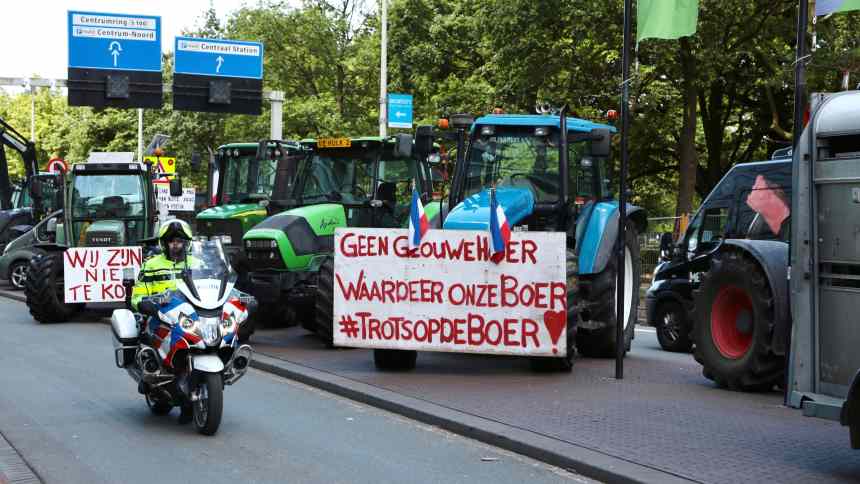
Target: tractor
247, 182
341, 182
550, 173
18, 210
106, 204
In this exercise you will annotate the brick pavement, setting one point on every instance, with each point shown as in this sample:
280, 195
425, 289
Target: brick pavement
663, 415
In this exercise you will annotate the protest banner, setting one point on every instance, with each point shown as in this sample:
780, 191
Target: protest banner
185, 203
447, 295
95, 274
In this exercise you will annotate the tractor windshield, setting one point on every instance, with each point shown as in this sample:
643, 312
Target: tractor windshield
517, 157
112, 196
246, 179
341, 175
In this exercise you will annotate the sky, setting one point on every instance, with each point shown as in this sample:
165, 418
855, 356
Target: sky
34, 33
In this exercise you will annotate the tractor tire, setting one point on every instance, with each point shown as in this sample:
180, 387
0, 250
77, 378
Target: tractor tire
733, 325
324, 317
673, 330
44, 290
565, 364
598, 294
396, 360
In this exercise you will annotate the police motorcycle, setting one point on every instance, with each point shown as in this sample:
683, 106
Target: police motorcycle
183, 347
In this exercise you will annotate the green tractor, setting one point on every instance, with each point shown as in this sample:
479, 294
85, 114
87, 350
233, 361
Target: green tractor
342, 182
247, 182
107, 204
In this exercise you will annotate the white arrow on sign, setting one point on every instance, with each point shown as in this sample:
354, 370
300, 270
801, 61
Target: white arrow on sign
399, 114
115, 48
219, 60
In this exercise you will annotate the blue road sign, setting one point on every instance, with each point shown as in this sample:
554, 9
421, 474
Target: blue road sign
114, 41
223, 58
400, 110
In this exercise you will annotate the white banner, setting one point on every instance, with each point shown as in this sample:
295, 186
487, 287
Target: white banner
447, 295
185, 203
95, 274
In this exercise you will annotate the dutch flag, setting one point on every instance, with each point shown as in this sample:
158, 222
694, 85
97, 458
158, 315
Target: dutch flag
500, 231
418, 222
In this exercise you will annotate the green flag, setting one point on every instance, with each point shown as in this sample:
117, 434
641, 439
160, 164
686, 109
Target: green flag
825, 7
666, 19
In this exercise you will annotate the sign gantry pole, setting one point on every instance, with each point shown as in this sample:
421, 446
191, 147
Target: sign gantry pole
620, 316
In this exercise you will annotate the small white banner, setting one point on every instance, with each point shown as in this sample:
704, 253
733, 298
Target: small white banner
95, 274
185, 203
446, 295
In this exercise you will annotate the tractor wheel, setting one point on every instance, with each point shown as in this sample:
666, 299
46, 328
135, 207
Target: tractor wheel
545, 364
598, 292
44, 290
673, 330
733, 325
324, 320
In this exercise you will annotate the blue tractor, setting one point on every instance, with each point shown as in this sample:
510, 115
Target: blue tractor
550, 173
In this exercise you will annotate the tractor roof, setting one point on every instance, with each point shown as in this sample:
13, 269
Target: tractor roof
573, 124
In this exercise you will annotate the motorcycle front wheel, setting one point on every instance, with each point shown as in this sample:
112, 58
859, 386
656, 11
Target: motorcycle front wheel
209, 403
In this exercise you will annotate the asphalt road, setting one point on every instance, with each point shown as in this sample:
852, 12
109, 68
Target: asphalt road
76, 418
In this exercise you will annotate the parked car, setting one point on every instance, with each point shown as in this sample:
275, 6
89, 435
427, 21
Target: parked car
17, 253
752, 201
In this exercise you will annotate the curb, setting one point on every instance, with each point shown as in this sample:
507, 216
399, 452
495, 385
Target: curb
13, 469
584, 461
16, 295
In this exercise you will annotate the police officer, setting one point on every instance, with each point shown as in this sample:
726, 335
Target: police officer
159, 273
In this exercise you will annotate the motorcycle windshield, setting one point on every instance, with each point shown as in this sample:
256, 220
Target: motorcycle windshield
208, 272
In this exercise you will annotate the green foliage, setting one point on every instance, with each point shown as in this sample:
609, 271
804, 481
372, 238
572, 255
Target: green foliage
456, 56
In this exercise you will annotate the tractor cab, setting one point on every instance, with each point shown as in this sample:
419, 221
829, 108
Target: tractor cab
521, 156
108, 205
341, 182
247, 182
549, 173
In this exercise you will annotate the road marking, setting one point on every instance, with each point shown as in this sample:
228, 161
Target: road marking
646, 330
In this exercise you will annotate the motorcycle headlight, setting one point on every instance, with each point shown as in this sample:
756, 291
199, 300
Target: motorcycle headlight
185, 322
227, 323
209, 331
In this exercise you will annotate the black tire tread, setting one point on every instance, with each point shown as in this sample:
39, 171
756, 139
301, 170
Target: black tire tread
324, 304
44, 301
759, 370
599, 292
215, 388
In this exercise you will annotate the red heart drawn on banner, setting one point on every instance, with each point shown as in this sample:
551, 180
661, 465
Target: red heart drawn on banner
555, 322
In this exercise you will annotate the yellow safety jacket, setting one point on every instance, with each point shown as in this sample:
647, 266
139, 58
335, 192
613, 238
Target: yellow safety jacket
159, 274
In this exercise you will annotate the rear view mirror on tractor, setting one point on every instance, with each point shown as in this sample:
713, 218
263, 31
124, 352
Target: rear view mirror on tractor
600, 142
176, 187
403, 145
195, 160
424, 141
36, 188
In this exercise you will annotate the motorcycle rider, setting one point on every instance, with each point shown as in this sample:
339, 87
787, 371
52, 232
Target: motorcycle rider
159, 274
